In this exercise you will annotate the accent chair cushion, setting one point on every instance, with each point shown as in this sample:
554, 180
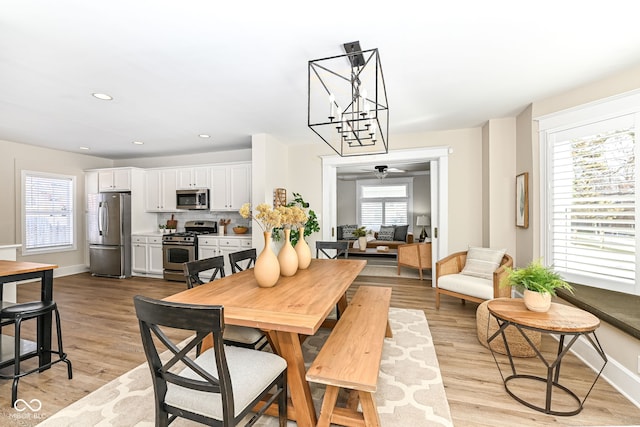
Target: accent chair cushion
482, 262
400, 233
386, 233
467, 285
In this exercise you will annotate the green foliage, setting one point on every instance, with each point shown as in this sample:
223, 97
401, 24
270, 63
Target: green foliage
536, 277
360, 232
311, 225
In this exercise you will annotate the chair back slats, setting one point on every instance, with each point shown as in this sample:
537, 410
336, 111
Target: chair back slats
154, 315
341, 248
193, 269
242, 260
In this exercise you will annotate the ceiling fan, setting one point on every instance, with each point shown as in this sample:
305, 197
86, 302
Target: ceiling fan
383, 170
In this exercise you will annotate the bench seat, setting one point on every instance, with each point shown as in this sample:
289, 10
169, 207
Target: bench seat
350, 358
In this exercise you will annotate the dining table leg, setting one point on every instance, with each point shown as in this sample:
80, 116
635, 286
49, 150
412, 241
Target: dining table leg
290, 349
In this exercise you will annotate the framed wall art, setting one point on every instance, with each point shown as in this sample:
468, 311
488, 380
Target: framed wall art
522, 200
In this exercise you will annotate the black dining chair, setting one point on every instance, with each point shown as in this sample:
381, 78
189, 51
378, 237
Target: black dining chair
236, 259
219, 386
193, 270
341, 248
234, 335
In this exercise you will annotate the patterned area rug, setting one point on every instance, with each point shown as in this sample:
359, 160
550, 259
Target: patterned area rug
392, 271
410, 390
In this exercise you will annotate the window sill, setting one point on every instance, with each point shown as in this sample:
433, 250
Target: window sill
615, 308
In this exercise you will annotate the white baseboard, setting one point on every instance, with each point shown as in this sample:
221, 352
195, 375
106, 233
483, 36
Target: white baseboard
70, 269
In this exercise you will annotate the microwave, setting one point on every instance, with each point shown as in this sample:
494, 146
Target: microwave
192, 199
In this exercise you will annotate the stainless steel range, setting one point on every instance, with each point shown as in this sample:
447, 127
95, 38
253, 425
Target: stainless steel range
178, 248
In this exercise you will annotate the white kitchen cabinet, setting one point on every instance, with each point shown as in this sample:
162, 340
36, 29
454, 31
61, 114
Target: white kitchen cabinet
160, 186
230, 186
146, 255
195, 177
210, 246
154, 255
114, 180
139, 254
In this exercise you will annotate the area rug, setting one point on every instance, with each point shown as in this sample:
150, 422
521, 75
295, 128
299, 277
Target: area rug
410, 390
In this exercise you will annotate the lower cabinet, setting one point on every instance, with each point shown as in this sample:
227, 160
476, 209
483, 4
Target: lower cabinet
210, 246
146, 255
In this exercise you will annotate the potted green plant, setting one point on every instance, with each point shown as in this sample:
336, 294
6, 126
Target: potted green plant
361, 234
539, 283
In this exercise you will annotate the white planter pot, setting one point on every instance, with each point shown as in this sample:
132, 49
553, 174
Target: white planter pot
362, 243
536, 301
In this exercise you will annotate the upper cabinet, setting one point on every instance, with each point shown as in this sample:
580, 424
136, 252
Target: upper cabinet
114, 180
160, 194
195, 177
230, 186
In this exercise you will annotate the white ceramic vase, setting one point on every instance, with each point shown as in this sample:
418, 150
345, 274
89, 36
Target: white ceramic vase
536, 301
362, 242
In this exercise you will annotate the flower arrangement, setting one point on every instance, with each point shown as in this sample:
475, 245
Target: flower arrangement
266, 217
292, 216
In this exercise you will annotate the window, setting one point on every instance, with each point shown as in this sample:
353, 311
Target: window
48, 212
385, 202
591, 178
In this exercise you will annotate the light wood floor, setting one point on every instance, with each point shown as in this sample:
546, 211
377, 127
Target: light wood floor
102, 339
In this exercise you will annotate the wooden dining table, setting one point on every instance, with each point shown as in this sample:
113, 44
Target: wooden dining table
295, 307
15, 271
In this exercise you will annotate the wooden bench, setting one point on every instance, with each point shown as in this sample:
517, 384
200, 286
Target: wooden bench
350, 359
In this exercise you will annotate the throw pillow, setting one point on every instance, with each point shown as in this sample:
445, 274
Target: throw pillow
482, 262
347, 232
386, 232
400, 233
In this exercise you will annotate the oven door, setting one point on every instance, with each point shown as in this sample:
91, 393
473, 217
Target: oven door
173, 256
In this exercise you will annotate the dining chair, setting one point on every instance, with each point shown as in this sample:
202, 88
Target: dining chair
234, 335
220, 386
341, 248
193, 269
236, 258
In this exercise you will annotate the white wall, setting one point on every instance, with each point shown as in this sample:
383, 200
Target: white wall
18, 157
465, 178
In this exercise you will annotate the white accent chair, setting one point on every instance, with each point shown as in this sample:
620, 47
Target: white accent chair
479, 281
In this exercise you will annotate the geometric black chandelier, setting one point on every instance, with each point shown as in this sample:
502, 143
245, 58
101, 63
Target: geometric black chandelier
348, 106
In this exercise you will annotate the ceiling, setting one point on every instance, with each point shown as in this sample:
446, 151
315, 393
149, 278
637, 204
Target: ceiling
178, 69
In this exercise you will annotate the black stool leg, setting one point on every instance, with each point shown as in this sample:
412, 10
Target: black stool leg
61, 352
16, 364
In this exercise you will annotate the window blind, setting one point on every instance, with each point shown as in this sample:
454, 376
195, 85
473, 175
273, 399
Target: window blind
48, 211
592, 213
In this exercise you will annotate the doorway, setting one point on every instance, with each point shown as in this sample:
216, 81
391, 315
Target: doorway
437, 157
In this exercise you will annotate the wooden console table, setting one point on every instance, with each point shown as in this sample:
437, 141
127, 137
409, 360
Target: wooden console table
561, 320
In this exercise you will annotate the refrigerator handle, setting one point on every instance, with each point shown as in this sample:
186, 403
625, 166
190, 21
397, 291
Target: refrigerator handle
102, 212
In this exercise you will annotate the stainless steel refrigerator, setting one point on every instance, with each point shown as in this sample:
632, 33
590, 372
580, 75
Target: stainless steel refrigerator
109, 232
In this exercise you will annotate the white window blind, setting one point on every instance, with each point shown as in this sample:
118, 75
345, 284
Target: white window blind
383, 203
48, 212
592, 175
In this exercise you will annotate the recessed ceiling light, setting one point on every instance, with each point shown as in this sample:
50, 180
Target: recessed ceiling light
102, 96
138, 142
204, 135
84, 148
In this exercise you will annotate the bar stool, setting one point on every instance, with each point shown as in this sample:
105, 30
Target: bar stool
24, 311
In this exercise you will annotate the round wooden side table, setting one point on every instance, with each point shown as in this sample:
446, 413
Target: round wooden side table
561, 320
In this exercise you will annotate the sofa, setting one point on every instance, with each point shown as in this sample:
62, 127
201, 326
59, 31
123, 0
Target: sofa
391, 236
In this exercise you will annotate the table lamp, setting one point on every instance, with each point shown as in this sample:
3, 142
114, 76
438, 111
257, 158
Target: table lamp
423, 221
